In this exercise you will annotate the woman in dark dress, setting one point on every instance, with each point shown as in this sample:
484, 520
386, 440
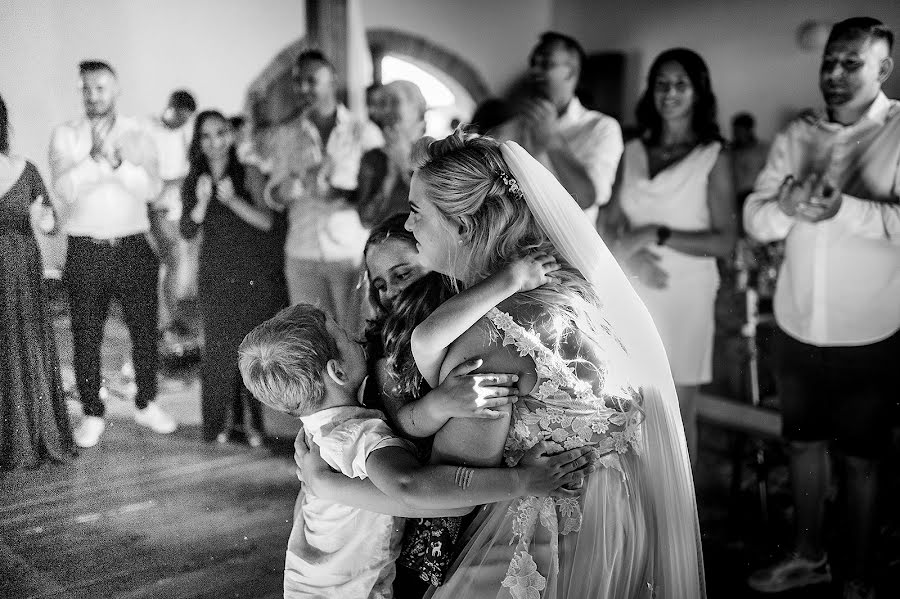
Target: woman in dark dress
34, 425
238, 278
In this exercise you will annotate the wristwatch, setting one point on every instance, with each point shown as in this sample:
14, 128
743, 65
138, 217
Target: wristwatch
662, 234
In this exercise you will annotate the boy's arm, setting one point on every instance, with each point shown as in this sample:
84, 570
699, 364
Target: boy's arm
363, 494
325, 483
397, 472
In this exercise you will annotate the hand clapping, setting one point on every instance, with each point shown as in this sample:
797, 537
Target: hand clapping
540, 115
204, 189
225, 191
813, 200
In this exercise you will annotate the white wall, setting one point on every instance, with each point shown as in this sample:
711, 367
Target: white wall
494, 36
749, 45
212, 47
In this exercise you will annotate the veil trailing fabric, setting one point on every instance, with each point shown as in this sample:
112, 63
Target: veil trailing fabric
664, 474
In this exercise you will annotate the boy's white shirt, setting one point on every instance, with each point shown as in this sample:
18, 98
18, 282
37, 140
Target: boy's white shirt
336, 550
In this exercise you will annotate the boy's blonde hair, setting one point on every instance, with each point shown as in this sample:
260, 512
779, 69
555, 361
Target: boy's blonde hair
282, 360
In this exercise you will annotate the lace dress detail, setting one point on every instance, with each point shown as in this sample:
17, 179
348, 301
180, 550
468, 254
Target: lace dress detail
566, 411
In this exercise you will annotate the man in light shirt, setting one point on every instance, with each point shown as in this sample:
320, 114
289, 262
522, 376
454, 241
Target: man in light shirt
171, 132
104, 167
581, 147
831, 189
315, 166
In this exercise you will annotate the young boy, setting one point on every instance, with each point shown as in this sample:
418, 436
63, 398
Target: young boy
302, 363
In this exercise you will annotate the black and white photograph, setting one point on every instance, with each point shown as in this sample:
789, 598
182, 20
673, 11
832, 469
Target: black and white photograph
449, 299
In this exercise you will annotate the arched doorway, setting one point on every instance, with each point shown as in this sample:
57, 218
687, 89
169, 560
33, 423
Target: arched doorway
452, 86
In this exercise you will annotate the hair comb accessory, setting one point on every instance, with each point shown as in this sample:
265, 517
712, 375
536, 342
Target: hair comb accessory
511, 184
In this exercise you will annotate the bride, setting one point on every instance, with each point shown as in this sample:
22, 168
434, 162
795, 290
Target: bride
592, 371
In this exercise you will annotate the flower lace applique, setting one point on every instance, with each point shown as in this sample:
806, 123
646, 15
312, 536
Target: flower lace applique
570, 515
523, 579
564, 411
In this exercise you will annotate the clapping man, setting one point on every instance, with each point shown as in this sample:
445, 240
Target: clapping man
104, 167
830, 190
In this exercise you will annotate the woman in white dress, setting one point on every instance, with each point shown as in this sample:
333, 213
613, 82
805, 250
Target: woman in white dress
672, 214
592, 371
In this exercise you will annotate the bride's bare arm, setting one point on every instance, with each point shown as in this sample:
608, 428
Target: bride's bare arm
474, 442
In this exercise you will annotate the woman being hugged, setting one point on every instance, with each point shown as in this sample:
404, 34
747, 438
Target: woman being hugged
672, 214
591, 371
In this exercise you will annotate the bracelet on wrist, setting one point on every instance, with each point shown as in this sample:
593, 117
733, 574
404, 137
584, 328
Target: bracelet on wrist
663, 233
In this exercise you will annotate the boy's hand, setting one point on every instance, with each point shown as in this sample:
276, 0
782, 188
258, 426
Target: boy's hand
548, 475
465, 395
531, 271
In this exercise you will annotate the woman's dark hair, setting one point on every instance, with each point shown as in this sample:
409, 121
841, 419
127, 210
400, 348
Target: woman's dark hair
4, 128
705, 113
392, 227
199, 165
413, 305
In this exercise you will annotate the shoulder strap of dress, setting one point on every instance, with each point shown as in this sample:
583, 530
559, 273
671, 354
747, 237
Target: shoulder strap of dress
11, 168
707, 155
550, 365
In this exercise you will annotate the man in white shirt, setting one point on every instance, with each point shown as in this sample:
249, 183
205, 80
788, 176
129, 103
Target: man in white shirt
171, 132
581, 147
104, 167
315, 165
831, 190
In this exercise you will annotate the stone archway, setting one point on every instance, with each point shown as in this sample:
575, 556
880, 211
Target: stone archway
392, 41
270, 99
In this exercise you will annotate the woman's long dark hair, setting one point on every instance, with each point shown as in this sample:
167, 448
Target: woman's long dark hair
392, 227
4, 128
199, 165
413, 305
705, 111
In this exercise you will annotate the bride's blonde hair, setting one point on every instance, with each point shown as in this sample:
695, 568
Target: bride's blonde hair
463, 176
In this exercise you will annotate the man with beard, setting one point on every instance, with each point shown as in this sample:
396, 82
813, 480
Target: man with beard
830, 189
315, 164
104, 166
581, 147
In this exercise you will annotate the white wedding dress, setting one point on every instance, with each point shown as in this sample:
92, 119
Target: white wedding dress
606, 382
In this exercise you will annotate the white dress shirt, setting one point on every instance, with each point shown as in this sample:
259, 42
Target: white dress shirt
840, 280
596, 140
172, 151
337, 551
104, 202
321, 228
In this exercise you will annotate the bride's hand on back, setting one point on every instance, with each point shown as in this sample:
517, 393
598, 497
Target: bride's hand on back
557, 475
466, 395
531, 271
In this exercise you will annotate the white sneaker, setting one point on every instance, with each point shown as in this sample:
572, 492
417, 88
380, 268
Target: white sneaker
154, 418
89, 430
